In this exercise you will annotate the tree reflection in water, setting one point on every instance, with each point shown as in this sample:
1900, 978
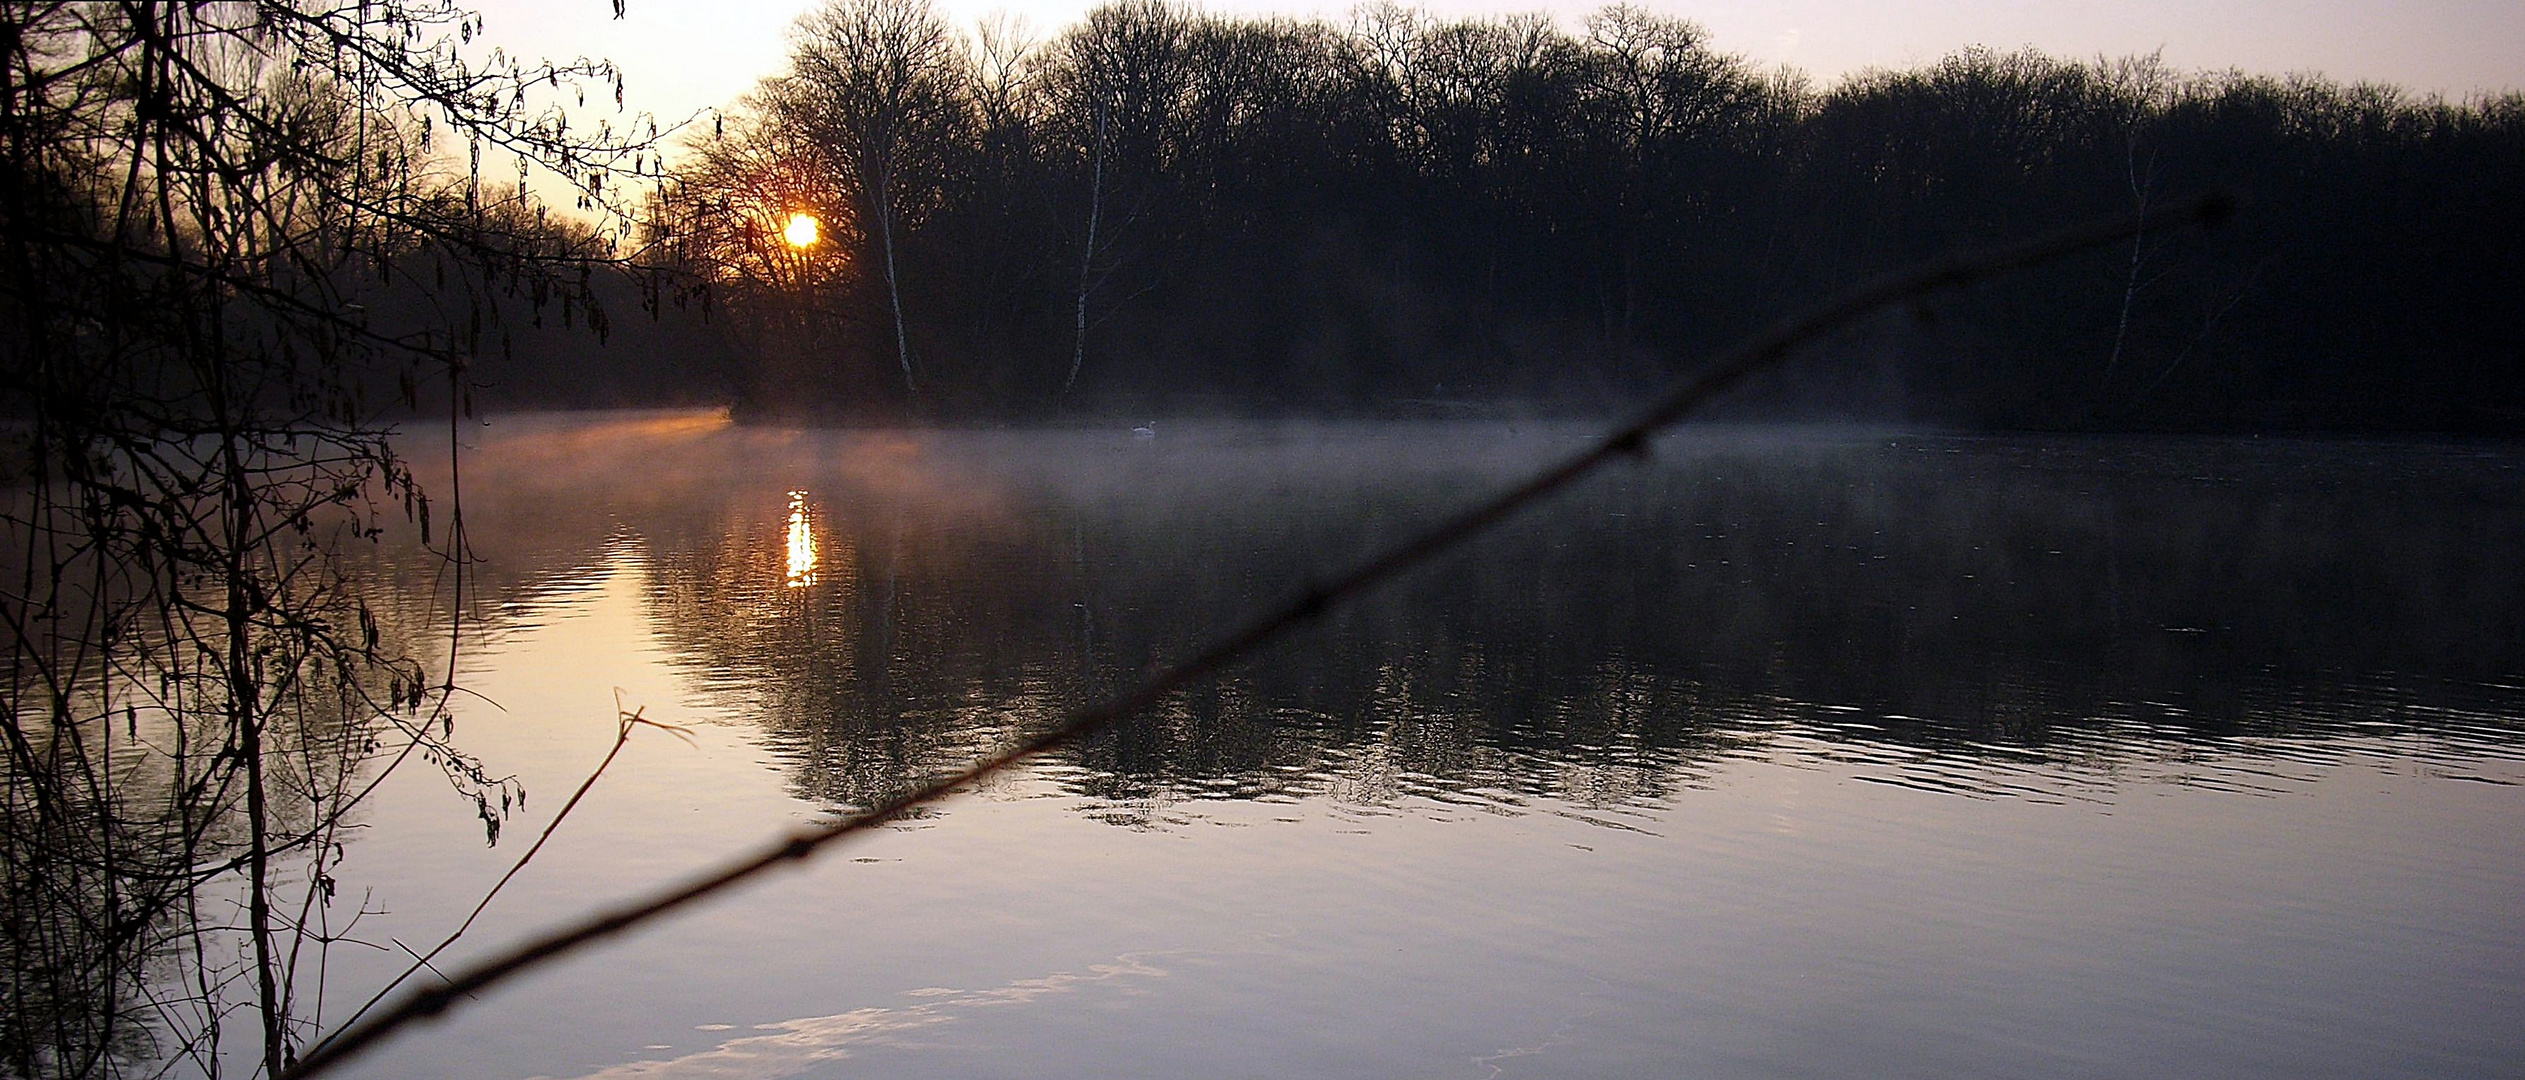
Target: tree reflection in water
1997, 599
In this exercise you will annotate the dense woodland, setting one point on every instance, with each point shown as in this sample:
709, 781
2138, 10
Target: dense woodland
1165, 210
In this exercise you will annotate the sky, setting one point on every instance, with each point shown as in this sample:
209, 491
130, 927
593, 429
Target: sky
684, 56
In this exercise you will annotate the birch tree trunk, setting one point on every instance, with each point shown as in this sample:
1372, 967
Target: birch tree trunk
1087, 254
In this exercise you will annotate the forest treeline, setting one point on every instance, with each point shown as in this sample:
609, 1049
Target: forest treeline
1164, 209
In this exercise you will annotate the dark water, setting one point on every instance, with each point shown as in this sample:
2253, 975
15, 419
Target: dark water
1789, 753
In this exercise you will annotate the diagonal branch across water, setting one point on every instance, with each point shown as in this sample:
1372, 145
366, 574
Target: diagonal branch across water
1628, 442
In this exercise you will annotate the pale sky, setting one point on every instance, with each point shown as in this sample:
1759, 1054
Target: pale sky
686, 55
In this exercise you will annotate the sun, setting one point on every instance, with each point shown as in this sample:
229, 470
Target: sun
802, 231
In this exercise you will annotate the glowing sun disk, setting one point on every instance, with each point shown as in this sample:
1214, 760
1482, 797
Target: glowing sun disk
802, 231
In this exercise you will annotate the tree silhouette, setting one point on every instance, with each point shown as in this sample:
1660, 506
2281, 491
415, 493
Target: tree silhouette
225, 231
1407, 212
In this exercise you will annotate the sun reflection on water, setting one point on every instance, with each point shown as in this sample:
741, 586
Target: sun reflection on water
801, 542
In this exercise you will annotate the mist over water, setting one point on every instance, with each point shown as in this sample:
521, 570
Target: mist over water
1792, 751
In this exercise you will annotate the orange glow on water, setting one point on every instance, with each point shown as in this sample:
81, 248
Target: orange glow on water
801, 542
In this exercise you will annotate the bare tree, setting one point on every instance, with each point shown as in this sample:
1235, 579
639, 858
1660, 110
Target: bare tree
2135, 91
1665, 93
1120, 79
878, 89
205, 211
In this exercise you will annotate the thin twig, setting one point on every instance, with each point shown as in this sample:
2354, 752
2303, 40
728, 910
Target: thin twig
626, 720
1628, 442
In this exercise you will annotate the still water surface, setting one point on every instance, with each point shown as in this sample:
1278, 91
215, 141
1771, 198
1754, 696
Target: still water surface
1806, 753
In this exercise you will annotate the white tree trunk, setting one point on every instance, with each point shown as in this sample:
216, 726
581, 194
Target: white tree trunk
1087, 256
894, 293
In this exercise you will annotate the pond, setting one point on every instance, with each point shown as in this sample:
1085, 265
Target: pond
1788, 752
